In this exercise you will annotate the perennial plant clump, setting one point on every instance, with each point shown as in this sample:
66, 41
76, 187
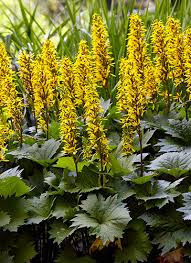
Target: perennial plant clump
92, 172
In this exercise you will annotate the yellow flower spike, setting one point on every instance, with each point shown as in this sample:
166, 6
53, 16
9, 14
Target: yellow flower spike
137, 83
10, 100
82, 71
150, 83
44, 92
138, 56
67, 79
132, 102
159, 48
4, 71
5, 133
68, 116
49, 57
174, 50
136, 45
68, 125
25, 61
88, 96
101, 51
187, 59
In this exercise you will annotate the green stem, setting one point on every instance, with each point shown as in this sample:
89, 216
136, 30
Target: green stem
76, 163
141, 149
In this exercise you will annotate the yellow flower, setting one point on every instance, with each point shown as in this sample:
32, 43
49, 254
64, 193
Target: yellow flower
25, 61
49, 57
68, 115
137, 83
10, 100
138, 56
5, 134
174, 50
68, 124
4, 70
101, 51
97, 141
136, 45
82, 69
132, 102
67, 79
159, 48
44, 92
187, 59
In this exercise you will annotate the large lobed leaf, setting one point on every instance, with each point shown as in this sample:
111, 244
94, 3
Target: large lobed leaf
137, 245
179, 129
12, 184
106, 218
41, 154
186, 209
39, 208
13, 213
59, 231
173, 163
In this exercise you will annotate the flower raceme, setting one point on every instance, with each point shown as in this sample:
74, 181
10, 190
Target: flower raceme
82, 69
68, 115
10, 101
175, 55
174, 49
49, 57
5, 133
101, 51
25, 61
132, 103
85, 83
187, 59
158, 41
137, 82
44, 83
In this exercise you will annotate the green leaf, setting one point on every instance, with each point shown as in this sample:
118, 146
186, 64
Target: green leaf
105, 104
63, 209
68, 162
186, 209
59, 231
172, 145
145, 139
39, 208
69, 256
106, 218
160, 193
12, 184
179, 129
174, 163
138, 245
54, 130
42, 155
121, 188
4, 218
25, 250
170, 240
139, 180
16, 209
88, 180
116, 167
5, 257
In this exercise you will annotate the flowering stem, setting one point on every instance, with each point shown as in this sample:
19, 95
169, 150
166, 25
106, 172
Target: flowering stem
141, 149
186, 111
76, 163
47, 120
21, 138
